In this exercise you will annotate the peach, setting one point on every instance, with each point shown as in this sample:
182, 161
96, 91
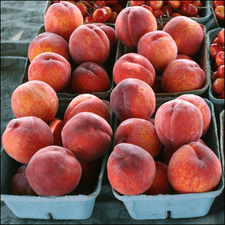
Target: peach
178, 122
89, 77
19, 183
159, 48
133, 98
182, 56
194, 167
161, 184
87, 103
51, 68
130, 169
56, 126
133, 65
87, 135
110, 32
53, 171
132, 23
25, 136
89, 43
182, 75
202, 106
48, 42
187, 33
35, 98
62, 19
139, 132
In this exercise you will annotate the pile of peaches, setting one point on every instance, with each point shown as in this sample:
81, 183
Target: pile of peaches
59, 155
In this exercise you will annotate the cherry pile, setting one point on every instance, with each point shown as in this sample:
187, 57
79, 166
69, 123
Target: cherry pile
165, 9
218, 8
99, 11
216, 52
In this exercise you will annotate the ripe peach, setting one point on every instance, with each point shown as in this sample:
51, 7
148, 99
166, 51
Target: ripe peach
24, 136
159, 48
187, 33
130, 169
48, 42
89, 43
19, 183
56, 126
182, 75
133, 65
87, 103
202, 106
35, 98
70, 19
89, 77
194, 167
161, 184
110, 32
51, 68
178, 122
139, 132
132, 23
133, 98
87, 135
53, 171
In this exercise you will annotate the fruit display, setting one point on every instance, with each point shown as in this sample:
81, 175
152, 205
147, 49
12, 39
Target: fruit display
98, 11
218, 12
216, 53
154, 149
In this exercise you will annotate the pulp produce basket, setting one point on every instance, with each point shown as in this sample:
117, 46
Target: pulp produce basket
200, 58
77, 205
143, 207
218, 103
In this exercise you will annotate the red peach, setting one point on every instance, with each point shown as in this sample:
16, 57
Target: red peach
51, 68
53, 171
63, 18
35, 98
194, 168
48, 42
130, 169
24, 136
56, 126
133, 65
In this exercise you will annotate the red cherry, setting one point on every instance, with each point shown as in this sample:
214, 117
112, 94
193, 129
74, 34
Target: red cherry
188, 9
221, 37
176, 14
214, 76
168, 11
155, 4
148, 7
217, 3
88, 19
174, 4
220, 58
214, 48
220, 71
137, 3
159, 13
112, 19
109, 10
219, 12
218, 86
117, 8
83, 8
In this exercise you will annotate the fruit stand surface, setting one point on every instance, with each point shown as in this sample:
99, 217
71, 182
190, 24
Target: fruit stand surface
20, 21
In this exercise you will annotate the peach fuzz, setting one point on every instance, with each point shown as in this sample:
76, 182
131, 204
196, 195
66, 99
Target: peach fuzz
35, 98
86, 103
178, 122
89, 77
187, 33
133, 65
133, 98
159, 48
51, 68
161, 184
139, 132
48, 42
19, 183
130, 169
56, 126
110, 32
182, 75
50, 163
132, 23
194, 168
24, 136
89, 43
87, 135
62, 19
200, 103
